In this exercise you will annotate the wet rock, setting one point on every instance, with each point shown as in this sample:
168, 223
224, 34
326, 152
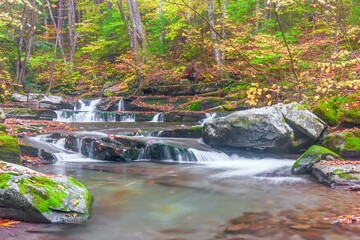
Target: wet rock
159, 151
300, 227
193, 132
35, 114
338, 173
233, 229
30, 151
31, 196
314, 154
262, 129
201, 104
9, 148
44, 101
346, 143
183, 116
302, 119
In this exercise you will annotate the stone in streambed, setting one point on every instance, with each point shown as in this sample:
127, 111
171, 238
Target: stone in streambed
326, 111
27, 195
314, 154
9, 148
192, 132
262, 129
337, 173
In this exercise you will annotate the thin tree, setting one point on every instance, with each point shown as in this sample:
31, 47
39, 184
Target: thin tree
72, 31
133, 41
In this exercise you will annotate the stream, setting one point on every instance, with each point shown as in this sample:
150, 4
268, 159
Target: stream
175, 199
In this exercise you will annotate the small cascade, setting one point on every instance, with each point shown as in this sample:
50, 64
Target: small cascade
159, 117
209, 116
164, 152
85, 112
121, 106
128, 118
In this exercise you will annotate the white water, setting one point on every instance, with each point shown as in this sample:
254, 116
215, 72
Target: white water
128, 118
121, 106
209, 116
86, 112
205, 156
159, 117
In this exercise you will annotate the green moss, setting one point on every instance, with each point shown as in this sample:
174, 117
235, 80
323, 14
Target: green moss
326, 111
346, 176
196, 128
9, 148
45, 193
349, 110
75, 182
2, 128
4, 178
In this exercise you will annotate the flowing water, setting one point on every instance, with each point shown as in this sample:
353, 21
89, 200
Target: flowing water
181, 199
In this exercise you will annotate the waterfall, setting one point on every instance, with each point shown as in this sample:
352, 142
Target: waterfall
128, 118
159, 117
85, 112
209, 116
121, 106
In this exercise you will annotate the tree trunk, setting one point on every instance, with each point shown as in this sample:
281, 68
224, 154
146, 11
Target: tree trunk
223, 29
60, 19
57, 34
72, 31
213, 34
29, 43
53, 67
21, 41
133, 41
257, 14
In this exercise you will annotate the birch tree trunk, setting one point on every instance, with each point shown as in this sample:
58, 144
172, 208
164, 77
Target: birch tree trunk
223, 30
133, 41
60, 18
213, 34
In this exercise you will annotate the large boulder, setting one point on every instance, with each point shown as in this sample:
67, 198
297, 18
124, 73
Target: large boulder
346, 143
263, 129
17, 97
314, 154
27, 195
303, 120
9, 148
192, 132
338, 173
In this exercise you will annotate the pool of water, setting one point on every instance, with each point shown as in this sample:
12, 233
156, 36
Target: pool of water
163, 201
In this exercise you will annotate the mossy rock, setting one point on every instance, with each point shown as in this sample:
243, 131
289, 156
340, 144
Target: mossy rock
9, 148
345, 143
349, 109
192, 132
326, 111
344, 174
27, 195
314, 154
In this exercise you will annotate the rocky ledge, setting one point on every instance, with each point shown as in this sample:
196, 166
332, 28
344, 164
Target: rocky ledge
31, 196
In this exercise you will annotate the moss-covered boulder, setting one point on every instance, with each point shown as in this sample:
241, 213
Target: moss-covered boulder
192, 132
326, 111
27, 195
303, 120
346, 143
338, 173
349, 109
314, 154
9, 148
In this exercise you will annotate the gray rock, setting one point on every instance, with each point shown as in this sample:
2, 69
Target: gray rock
302, 119
314, 154
2, 115
337, 174
263, 129
27, 195
17, 97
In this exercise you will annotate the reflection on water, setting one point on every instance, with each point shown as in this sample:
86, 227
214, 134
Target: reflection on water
195, 201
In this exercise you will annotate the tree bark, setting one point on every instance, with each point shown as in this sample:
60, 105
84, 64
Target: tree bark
72, 31
213, 34
29, 44
133, 41
57, 34
21, 41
